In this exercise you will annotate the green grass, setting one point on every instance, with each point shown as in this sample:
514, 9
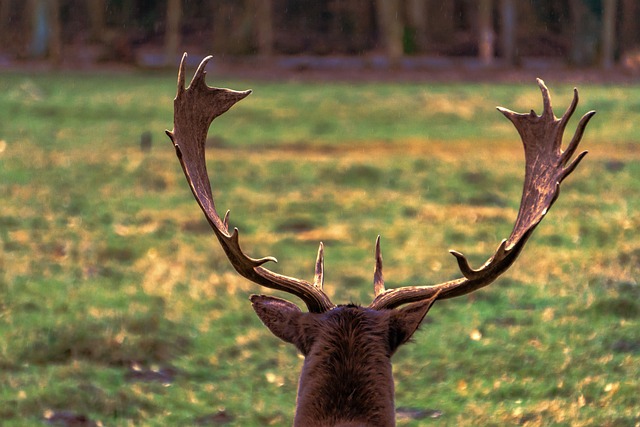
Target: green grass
117, 304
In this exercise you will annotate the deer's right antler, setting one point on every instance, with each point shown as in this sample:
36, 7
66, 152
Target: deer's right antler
547, 165
194, 109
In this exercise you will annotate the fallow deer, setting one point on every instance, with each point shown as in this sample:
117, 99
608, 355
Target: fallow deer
346, 377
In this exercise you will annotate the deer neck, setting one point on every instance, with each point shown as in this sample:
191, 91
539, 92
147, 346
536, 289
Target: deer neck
347, 379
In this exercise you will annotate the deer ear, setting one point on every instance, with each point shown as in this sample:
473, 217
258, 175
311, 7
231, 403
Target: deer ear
280, 316
405, 321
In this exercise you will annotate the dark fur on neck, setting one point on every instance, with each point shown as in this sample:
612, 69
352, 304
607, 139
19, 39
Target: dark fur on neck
347, 377
347, 368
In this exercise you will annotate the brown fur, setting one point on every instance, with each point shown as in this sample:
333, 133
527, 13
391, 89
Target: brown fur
346, 378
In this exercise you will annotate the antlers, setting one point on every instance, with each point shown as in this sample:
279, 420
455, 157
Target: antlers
547, 165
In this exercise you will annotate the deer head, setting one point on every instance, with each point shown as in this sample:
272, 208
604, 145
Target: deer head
346, 378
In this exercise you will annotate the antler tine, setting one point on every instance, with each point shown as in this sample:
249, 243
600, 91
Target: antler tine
378, 278
571, 109
318, 280
545, 170
194, 109
546, 98
181, 73
573, 145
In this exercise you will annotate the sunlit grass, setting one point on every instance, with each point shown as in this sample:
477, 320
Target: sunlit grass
116, 302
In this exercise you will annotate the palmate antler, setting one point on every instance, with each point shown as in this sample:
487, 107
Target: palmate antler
194, 110
547, 165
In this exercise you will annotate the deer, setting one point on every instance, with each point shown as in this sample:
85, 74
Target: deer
346, 377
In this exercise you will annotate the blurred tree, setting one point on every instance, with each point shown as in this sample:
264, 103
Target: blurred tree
172, 31
608, 33
629, 25
585, 24
232, 26
391, 25
40, 28
360, 25
441, 19
263, 26
45, 30
417, 24
55, 37
486, 36
127, 9
582, 30
97, 9
508, 22
5, 16
341, 27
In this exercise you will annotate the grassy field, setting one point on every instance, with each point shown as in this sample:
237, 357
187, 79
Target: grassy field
117, 305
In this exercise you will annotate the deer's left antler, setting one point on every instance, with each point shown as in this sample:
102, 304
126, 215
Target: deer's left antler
547, 165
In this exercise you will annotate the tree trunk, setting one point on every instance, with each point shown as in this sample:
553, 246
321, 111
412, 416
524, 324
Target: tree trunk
585, 33
508, 20
390, 22
55, 37
96, 9
45, 30
172, 31
264, 27
608, 33
417, 21
5, 11
40, 29
361, 12
629, 28
486, 35
127, 12
233, 23
440, 21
